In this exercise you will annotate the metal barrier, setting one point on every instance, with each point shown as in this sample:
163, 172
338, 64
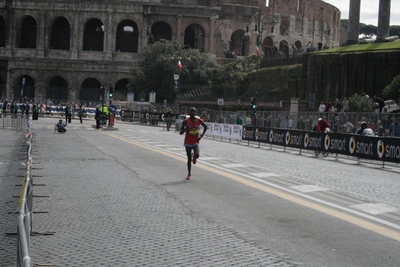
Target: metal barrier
13, 121
25, 207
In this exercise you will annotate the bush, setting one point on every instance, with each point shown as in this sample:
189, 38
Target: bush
359, 103
392, 91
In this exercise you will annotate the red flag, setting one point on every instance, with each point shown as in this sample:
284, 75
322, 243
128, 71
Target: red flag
179, 65
257, 51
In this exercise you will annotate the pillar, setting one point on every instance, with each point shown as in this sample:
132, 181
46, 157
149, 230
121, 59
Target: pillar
383, 20
211, 36
179, 28
75, 35
354, 21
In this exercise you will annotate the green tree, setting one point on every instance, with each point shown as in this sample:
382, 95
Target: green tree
394, 30
368, 30
392, 91
159, 62
359, 103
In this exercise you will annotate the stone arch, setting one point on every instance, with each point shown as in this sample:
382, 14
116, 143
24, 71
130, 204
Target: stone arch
2, 32
28, 33
26, 91
121, 89
299, 45
195, 36
161, 30
268, 41
93, 37
282, 45
239, 44
60, 34
127, 38
91, 91
57, 89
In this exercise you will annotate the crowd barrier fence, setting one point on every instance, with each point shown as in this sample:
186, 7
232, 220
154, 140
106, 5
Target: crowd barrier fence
24, 221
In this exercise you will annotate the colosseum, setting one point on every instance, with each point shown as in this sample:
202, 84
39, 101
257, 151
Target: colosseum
70, 50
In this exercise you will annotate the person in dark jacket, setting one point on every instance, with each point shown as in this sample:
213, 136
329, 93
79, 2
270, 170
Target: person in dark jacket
380, 102
97, 116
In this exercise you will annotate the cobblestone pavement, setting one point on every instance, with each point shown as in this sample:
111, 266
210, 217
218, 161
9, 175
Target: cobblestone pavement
98, 222
12, 151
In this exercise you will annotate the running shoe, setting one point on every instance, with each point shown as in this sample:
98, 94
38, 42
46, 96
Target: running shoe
188, 176
194, 160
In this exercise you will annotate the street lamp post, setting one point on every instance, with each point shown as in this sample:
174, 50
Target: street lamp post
179, 66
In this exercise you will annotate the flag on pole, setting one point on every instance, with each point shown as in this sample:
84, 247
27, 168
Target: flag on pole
22, 86
257, 46
179, 65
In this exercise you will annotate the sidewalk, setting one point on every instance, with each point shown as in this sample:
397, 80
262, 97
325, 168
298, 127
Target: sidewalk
99, 222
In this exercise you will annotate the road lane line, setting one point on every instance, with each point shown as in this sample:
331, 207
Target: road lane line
287, 194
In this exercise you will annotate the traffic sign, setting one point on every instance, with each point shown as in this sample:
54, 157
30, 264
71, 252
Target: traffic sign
112, 108
220, 102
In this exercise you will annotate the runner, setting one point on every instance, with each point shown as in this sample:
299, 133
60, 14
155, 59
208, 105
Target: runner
192, 127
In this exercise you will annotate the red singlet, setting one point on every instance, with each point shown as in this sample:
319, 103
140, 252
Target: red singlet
192, 132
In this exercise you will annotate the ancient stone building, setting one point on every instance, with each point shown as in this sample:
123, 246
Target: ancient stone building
67, 50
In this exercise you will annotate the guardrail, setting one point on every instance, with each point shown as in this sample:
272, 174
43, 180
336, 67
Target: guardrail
13, 121
25, 209
380, 149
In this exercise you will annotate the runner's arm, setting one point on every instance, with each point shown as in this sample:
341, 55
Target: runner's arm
204, 128
183, 127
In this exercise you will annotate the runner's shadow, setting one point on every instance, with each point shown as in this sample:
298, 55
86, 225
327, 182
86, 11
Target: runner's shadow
175, 183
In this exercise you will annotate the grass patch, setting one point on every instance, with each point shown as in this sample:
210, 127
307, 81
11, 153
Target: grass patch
363, 47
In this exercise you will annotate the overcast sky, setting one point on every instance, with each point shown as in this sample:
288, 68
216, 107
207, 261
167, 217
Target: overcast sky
369, 10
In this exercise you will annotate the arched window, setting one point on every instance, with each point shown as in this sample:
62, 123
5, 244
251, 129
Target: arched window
2, 32
93, 39
57, 91
60, 35
161, 30
194, 37
91, 91
28, 33
127, 37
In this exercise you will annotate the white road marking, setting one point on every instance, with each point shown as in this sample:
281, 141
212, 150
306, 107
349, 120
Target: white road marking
375, 209
308, 188
233, 165
264, 174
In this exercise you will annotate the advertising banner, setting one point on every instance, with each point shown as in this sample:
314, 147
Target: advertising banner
374, 148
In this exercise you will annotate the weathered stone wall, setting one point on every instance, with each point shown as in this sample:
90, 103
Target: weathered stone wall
343, 75
312, 20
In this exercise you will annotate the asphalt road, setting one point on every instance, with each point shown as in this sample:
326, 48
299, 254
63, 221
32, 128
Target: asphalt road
320, 212
313, 211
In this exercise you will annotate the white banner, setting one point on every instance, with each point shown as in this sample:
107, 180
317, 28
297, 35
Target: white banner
229, 131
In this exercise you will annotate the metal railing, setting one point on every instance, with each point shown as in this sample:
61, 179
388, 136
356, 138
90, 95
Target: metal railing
13, 121
25, 208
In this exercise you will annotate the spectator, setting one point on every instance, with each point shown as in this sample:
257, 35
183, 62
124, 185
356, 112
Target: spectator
301, 124
80, 112
321, 108
238, 120
61, 127
348, 127
365, 130
394, 128
328, 105
97, 116
380, 102
338, 106
27, 109
365, 95
290, 122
